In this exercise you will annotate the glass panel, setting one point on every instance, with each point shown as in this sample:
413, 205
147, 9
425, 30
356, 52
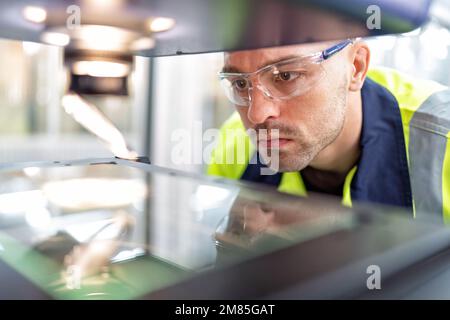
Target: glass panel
114, 231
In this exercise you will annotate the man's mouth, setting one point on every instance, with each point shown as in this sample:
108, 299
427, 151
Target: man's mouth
273, 143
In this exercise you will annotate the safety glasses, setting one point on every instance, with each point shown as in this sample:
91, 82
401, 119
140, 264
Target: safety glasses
282, 80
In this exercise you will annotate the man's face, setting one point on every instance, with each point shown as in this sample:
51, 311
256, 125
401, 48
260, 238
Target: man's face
306, 123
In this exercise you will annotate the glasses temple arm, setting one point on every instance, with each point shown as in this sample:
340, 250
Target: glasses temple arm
335, 49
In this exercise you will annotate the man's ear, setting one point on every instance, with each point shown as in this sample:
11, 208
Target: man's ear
360, 56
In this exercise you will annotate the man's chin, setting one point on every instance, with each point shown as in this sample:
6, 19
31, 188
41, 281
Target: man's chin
288, 165
291, 168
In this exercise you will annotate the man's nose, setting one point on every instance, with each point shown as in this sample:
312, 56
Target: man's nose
262, 107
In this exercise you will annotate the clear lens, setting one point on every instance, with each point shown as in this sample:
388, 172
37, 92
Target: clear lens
237, 90
282, 80
292, 79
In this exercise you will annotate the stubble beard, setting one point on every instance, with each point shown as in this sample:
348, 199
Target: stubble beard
302, 153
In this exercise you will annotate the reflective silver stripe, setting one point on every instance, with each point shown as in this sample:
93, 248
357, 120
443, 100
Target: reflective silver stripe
429, 127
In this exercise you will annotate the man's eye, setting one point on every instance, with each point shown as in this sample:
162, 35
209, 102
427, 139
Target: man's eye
241, 84
287, 76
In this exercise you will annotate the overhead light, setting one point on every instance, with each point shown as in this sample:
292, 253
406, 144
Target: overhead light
161, 24
103, 38
35, 14
104, 4
55, 38
101, 69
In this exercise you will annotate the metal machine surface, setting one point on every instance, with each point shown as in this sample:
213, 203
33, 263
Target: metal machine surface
117, 229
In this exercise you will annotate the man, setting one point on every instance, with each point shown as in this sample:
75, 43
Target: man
371, 136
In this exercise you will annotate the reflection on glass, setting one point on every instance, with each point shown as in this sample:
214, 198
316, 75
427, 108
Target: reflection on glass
255, 227
108, 231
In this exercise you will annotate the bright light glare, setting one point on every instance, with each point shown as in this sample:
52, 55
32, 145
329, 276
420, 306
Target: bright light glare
94, 121
435, 41
56, 38
142, 44
101, 68
82, 194
207, 197
98, 37
31, 48
35, 14
82, 232
104, 4
21, 202
38, 217
31, 171
161, 24
127, 255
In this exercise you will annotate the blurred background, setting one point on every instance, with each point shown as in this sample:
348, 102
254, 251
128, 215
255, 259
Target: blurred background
35, 127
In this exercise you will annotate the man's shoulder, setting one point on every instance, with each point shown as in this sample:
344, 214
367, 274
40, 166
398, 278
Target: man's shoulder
410, 91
